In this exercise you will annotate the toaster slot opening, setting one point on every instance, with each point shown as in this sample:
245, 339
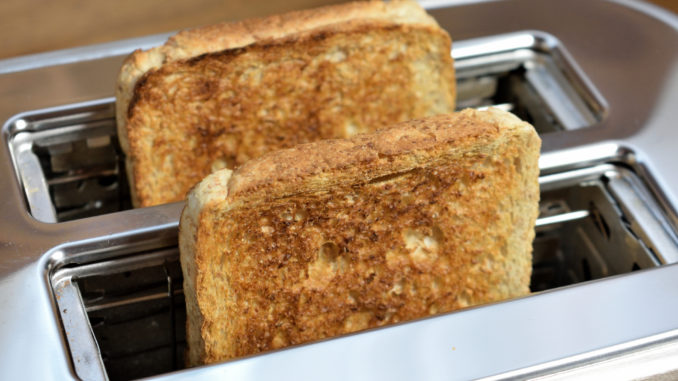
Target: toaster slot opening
134, 308
593, 224
530, 75
582, 235
70, 165
69, 162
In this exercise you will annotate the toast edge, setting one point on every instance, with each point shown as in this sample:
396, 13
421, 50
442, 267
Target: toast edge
405, 145
212, 190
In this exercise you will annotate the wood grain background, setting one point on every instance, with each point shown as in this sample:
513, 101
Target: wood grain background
32, 26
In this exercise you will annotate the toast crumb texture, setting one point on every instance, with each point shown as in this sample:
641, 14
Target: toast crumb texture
337, 236
217, 96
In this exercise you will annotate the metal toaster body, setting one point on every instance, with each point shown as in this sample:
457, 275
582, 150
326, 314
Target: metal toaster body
92, 288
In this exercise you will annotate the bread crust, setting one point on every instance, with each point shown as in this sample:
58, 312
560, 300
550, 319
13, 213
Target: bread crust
145, 70
312, 165
225, 36
337, 236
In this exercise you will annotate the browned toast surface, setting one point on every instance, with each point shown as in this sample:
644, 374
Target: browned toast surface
337, 236
216, 97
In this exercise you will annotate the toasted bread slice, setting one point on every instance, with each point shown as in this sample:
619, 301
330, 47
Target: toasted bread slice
337, 236
215, 97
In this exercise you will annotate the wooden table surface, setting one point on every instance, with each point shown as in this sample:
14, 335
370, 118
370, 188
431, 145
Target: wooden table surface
32, 26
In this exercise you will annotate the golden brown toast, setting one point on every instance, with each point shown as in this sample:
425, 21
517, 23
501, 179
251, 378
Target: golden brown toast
215, 97
337, 236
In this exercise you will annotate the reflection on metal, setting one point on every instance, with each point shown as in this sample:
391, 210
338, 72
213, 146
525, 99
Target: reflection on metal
565, 217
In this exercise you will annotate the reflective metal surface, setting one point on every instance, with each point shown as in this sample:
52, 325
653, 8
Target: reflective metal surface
628, 53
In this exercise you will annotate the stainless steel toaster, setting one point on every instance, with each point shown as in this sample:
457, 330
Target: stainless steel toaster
92, 289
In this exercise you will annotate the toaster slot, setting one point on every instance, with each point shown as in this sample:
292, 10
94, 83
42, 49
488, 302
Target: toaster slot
70, 165
530, 75
593, 223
